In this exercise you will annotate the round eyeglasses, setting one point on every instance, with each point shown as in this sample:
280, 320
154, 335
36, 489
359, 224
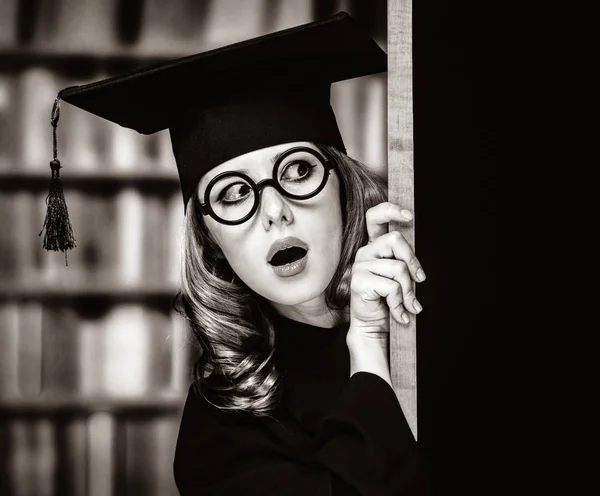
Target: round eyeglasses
299, 173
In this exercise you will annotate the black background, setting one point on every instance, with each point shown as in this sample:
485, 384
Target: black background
454, 68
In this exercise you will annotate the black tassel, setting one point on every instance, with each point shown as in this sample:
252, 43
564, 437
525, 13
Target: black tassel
59, 233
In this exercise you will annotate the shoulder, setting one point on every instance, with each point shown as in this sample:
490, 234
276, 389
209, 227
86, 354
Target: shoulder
210, 440
201, 421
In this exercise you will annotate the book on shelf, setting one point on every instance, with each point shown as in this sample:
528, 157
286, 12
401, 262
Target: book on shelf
74, 25
142, 232
44, 456
60, 346
128, 230
92, 350
126, 149
32, 456
72, 450
97, 455
20, 469
154, 242
9, 246
149, 451
38, 88
89, 350
135, 356
8, 117
285, 14
92, 325
231, 21
101, 429
20, 222
101, 253
172, 28
30, 350
9, 349
159, 327
8, 22
27, 235
116, 336
5, 458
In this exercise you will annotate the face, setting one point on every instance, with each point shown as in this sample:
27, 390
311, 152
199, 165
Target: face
316, 223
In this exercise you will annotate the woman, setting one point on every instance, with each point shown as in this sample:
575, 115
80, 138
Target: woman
289, 274
294, 392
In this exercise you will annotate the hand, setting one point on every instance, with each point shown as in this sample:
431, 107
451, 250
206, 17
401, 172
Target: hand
382, 275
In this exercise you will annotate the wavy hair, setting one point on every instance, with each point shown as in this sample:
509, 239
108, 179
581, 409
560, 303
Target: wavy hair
233, 333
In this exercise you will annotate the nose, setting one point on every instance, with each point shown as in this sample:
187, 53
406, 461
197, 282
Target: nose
273, 208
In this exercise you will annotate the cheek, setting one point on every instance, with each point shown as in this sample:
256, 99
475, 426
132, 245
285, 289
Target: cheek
233, 241
242, 251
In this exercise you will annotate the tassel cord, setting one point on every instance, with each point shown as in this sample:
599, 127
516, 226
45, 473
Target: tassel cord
59, 233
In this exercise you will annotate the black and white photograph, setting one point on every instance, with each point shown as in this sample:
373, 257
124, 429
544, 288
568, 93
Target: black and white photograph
247, 247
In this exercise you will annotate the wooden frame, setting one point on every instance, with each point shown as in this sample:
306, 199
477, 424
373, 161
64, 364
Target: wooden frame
403, 351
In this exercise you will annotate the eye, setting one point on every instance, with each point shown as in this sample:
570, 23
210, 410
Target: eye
234, 192
297, 170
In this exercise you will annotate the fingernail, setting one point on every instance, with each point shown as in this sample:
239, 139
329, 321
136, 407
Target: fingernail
407, 214
420, 275
405, 317
417, 306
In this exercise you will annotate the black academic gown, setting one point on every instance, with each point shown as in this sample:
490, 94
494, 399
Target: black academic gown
331, 435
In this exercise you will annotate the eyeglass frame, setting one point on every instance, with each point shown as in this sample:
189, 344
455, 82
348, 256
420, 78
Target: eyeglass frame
206, 209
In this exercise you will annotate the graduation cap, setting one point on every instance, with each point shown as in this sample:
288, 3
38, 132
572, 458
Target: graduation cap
226, 102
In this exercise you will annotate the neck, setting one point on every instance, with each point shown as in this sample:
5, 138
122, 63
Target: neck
313, 313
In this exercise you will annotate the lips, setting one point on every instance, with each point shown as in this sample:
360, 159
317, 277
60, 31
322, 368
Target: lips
285, 244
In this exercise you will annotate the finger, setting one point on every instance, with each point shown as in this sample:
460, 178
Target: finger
372, 287
378, 217
392, 245
398, 271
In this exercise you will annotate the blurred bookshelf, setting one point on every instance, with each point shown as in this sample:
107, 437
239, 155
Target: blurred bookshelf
113, 291
18, 177
80, 405
94, 363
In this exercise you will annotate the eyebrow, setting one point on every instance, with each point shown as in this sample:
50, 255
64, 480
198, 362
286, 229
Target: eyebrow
277, 156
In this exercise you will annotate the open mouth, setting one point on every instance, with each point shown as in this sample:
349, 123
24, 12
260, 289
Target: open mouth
289, 255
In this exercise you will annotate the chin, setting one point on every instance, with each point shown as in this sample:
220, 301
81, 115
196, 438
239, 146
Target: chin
297, 289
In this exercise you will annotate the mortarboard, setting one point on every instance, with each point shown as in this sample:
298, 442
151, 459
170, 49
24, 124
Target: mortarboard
226, 102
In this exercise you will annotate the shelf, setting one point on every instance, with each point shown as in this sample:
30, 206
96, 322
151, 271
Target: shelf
91, 179
61, 290
49, 405
13, 58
